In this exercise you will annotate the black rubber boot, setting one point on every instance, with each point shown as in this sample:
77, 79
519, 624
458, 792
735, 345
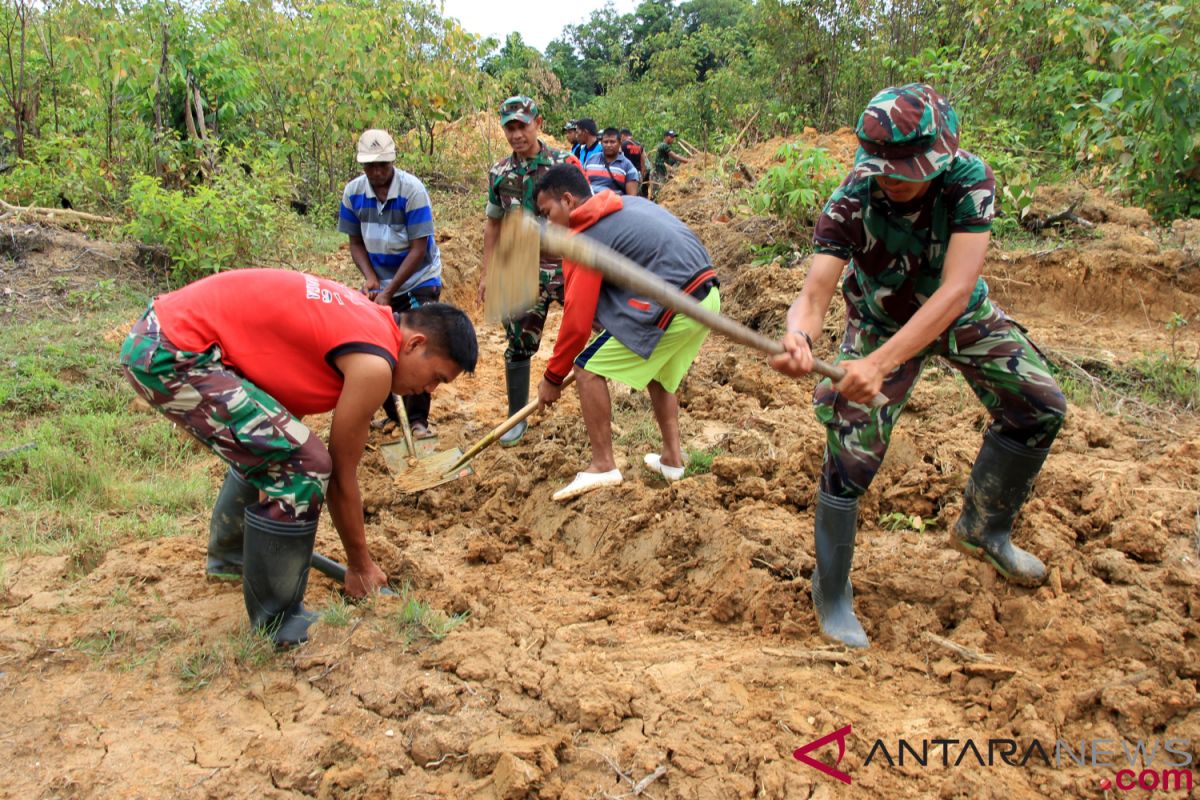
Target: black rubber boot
275, 575
516, 376
225, 528
832, 593
999, 484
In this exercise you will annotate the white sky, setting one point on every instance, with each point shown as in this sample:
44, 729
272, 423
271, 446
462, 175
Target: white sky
538, 21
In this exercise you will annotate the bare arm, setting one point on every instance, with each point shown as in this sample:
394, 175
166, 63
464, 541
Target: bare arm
408, 267
368, 380
807, 314
358, 254
631, 187
491, 232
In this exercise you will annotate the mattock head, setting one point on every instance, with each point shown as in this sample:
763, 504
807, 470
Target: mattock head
512, 278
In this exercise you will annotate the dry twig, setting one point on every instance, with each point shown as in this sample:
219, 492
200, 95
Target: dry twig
958, 649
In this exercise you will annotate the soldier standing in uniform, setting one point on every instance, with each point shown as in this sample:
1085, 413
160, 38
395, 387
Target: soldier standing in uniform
510, 186
664, 157
912, 222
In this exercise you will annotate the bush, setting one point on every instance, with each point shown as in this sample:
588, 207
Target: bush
234, 221
60, 167
796, 190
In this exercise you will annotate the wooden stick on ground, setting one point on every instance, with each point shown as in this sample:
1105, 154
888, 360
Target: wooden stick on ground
51, 214
957, 649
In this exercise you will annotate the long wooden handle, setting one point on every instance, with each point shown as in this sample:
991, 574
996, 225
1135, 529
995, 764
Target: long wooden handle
504, 427
620, 270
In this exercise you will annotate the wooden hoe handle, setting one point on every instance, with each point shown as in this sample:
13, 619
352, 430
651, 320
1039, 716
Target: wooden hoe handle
618, 269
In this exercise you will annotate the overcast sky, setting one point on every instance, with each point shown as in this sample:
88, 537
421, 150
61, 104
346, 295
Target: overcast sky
538, 21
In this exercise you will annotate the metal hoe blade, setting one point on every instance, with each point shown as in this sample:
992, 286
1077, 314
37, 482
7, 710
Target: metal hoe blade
424, 472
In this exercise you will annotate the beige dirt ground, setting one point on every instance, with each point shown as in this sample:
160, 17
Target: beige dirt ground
671, 626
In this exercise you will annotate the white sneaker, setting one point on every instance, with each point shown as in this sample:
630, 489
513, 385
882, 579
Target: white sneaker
587, 481
653, 462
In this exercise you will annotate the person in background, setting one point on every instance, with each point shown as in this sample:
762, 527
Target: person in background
569, 132
665, 158
636, 153
909, 228
387, 215
587, 139
610, 169
510, 187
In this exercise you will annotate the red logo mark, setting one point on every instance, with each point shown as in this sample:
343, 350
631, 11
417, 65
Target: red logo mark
801, 754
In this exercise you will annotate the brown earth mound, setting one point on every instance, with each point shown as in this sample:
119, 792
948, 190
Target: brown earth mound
668, 629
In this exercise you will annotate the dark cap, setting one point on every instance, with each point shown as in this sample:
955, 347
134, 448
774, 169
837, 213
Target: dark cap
670, 133
518, 107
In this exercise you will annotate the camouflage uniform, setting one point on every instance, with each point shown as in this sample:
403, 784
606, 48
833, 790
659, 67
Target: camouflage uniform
242, 424
896, 255
510, 184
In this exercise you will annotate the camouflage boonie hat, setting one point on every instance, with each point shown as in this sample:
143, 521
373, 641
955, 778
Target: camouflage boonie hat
518, 107
907, 132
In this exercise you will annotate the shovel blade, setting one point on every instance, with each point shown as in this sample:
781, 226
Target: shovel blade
425, 472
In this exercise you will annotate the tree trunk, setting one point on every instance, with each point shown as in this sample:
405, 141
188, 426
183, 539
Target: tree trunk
160, 84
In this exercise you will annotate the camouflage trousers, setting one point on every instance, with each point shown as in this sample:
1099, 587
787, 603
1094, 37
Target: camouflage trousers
241, 423
524, 332
1002, 366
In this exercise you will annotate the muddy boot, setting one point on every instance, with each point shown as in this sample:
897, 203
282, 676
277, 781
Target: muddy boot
832, 594
516, 376
1000, 481
275, 575
225, 528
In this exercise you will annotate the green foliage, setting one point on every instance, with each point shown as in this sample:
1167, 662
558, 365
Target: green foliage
699, 462
416, 619
900, 521
59, 167
796, 190
200, 668
232, 222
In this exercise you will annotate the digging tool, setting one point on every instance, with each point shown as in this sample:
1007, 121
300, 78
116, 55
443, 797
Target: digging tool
501, 429
512, 264
332, 569
415, 475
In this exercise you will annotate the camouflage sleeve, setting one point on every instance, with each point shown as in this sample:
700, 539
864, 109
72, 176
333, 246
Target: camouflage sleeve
493, 209
971, 194
839, 229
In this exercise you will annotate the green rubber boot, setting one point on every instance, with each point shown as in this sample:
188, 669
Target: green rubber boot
832, 594
275, 575
225, 528
1000, 482
516, 377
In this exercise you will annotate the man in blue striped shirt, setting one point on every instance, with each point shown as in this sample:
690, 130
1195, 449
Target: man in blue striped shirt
610, 169
386, 213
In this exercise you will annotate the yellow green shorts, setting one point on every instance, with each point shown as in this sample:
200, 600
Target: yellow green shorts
667, 364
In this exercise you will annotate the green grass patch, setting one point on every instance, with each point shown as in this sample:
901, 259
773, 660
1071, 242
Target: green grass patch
80, 472
1152, 381
699, 462
100, 645
417, 620
201, 667
337, 612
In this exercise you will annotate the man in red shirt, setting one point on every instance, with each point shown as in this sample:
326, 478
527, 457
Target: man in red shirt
237, 359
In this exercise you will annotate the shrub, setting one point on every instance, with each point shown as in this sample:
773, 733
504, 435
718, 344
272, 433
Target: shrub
796, 190
233, 221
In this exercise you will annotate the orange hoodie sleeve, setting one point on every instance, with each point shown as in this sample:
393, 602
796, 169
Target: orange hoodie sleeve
581, 294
